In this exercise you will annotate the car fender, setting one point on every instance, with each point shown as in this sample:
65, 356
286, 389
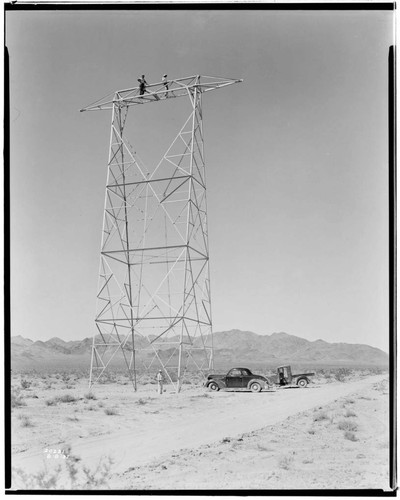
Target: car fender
263, 383
301, 377
220, 383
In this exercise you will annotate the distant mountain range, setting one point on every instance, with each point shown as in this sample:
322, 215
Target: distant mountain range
231, 348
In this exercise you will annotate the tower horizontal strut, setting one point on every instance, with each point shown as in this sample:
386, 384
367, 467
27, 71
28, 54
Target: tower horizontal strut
157, 91
150, 180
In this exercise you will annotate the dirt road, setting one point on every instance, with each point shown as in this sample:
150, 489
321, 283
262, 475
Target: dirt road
189, 420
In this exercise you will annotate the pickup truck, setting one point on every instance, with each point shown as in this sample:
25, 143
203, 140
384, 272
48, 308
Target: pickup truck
237, 379
285, 377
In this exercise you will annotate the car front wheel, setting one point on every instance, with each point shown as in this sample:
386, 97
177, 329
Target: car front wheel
213, 386
255, 387
302, 382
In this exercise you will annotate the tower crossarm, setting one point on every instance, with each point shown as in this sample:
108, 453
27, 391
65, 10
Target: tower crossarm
160, 91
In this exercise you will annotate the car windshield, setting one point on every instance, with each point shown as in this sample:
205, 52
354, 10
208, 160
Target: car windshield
246, 372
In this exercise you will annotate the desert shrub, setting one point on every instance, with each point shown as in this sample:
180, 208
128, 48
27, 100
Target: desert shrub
145, 379
347, 425
349, 401
108, 377
205, 395
143, 401
320, 416
197, 378
342, 373
350, 436
90, 395
78, 477
322, 373
350, 413
285, 462
32, 396
380, 386
99, 478
311, 431
226, 440
66, 398
110, 411
374, 371
16, 399
25, 421
25, 384
78, 374
41, 481
100, 404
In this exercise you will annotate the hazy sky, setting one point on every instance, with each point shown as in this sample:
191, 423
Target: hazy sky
297, 162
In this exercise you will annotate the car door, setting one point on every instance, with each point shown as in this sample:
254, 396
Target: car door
234, 378
246, 377
281, 376
287, 374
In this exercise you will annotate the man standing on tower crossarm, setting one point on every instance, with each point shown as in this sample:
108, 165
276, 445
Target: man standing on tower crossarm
165, 82
142, 85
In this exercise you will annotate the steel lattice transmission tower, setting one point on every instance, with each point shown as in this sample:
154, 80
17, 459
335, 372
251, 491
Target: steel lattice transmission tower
153, 301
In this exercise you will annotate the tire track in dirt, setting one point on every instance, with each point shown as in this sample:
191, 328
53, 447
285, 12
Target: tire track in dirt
226, 414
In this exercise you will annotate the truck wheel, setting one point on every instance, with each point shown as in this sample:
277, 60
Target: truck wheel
302, 382
255, 387
213, 386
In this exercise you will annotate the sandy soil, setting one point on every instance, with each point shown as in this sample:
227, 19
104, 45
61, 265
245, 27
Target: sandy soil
289, 438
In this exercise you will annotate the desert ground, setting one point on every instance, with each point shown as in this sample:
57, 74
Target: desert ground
331, 435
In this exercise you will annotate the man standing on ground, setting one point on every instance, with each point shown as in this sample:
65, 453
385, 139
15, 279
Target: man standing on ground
160, 381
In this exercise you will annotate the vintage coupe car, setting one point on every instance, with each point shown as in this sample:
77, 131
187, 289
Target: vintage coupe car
237, 379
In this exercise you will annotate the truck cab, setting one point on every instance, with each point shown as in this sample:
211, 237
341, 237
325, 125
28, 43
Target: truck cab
284, 375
